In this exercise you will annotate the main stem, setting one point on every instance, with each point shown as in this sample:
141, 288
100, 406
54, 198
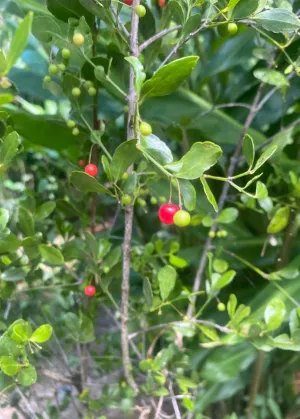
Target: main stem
222, 200
129, 211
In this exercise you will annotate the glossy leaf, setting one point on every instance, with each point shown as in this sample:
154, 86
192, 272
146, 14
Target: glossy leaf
166, 279
8, 149
200, 158
125, 155
264, 157
209, 194
44, 210
27, 376
86, 183
274, 314
13, 274
228, 216
51, 255
169, 77
248, 150
261, 191
272, 77
231, 305
223, 280
245, 8
157, 149
139, 75
278, 20
279, 220
188, 193
9, 365
26, 221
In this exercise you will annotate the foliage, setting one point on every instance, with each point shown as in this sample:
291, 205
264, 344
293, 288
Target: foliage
170, 104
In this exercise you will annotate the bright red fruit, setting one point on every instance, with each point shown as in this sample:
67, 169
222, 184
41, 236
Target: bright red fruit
91, 169
166, 213
81, 163
161, 3
128, 2
90, 291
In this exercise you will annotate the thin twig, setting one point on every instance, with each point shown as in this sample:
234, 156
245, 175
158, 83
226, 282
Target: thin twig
171, 324
174, 402
122, 26
159, 35
221, 106
222, 200
26, 402
159, 407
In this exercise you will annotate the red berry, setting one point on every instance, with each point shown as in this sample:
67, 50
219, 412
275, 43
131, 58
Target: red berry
166, 213
81, 163
128, 2
91, 169
90, 291
161, 3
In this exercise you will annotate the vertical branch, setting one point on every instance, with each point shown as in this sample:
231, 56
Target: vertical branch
222, 200
132, 108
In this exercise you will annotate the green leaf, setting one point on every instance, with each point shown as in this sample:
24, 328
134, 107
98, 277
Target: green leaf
9, 365
31, 248
188, 193
248, 150
278, 20
27, 376
220, 265
167, 280
209, 194
3, 63
51, 255
241, 313
147, 291
228, 216
106, 167
81, 328
264, 157
113, 257
200, 158
185, 383
26, 221
125, 155
157, 149
274, 314
261, 191
231, 305
244, 9
63, 10
10, 243
21, 333
279, 220
19, 41
4, 217
209, 332
272, 77
13, 275
177, 261
86, 183
44, 210
224, 280
6, 98
169, 77
42, 334
8, 149
139, 75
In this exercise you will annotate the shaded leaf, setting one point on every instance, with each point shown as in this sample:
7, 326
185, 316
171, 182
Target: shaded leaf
209, 194
51, 255
278, 20
279, 220
166, 279
86, 183
157, 149
124, 156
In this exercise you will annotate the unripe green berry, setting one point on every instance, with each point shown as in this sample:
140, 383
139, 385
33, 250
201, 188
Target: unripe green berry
76, 91
75, 131
78, 39
163, 200
126, 199
232, 28
124, 176
66, 53
153, 200
140, 10
221, 307
144, 191
106, 269
71, 123
145, 128
62, 67
89, 83
47, 79
141, 202
53, 69
182, 218
92, 91
212, 234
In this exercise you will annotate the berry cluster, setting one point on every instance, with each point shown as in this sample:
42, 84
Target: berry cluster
172, 214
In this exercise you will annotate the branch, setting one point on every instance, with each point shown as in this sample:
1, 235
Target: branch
221, 106
122, 26
170, 324
174, 402
159, 35
129, 211
222, 200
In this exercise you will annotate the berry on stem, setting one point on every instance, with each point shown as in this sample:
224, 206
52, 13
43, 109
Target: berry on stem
145, 128
81, 163
140, 10
47, 79
78, 39
53, 69
75, 131
62, 67
162, 199
212, 234
128, 2
141, 202
161, 3
221, 306
124, 176
232, 28
90, 291
76, 91
66, 53
92, 91
91, 169
126, 199
166, 213
71, 123
182, 218
153, 200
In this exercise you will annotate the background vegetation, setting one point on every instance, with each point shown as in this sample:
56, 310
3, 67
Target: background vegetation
210, 324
